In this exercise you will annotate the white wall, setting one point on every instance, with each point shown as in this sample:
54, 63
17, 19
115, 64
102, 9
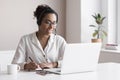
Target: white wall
73, 21
109, 9
112, 21
16, 19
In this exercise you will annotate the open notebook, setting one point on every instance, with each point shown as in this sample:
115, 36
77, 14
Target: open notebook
79, 57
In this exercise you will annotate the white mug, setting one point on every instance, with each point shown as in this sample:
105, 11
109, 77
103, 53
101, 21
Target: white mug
13, 68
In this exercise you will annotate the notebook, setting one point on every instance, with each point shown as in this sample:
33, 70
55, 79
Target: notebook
79, 57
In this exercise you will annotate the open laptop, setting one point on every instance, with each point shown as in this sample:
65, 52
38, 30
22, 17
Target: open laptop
79, 57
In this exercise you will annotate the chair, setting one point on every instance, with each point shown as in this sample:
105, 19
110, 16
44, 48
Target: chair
6, 58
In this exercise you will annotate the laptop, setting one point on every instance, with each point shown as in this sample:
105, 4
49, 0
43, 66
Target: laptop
79, 57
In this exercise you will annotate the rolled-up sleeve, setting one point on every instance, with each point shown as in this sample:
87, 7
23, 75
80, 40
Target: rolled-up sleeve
20, 54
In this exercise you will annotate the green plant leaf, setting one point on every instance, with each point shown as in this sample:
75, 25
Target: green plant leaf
103, 19
99, 16
99, 32
94, 17
95, 33
104, 33
92, 25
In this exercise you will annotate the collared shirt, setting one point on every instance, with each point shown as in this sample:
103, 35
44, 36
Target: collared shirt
29, 46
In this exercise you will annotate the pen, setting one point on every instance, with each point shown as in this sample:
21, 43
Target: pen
31, 59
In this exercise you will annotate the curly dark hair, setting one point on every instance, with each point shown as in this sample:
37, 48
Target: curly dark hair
42, 11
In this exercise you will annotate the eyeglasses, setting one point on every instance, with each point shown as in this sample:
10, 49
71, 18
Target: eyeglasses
49, 23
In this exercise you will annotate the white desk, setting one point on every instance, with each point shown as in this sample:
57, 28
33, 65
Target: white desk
105, 71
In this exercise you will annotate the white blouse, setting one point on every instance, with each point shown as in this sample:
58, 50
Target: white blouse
29, 46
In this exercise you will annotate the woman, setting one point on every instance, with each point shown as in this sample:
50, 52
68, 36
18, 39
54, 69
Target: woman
42, 48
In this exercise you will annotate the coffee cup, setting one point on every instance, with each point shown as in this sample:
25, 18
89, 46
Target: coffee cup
13, 68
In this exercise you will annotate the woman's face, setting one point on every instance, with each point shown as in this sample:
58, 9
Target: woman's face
48, 24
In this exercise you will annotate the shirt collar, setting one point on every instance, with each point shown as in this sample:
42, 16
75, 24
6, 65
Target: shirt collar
35, 39
51, 39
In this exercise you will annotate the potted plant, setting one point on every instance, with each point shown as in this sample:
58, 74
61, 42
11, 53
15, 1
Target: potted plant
99, 31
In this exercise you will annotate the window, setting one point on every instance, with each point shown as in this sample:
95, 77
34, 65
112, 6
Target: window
118, 21
109, 9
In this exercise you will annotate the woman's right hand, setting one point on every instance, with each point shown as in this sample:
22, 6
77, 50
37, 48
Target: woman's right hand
48, 65
30, 66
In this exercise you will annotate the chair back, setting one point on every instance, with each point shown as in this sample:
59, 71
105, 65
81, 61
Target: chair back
6, 58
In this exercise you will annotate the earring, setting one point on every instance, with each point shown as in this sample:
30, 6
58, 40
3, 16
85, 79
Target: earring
55, 31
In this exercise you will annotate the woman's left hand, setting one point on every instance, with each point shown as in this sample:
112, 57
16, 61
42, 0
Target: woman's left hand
48, 65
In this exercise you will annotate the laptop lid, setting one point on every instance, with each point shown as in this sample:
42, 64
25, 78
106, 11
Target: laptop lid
80, 57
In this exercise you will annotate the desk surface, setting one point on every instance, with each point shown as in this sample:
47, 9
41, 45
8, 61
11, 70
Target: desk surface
105, 71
